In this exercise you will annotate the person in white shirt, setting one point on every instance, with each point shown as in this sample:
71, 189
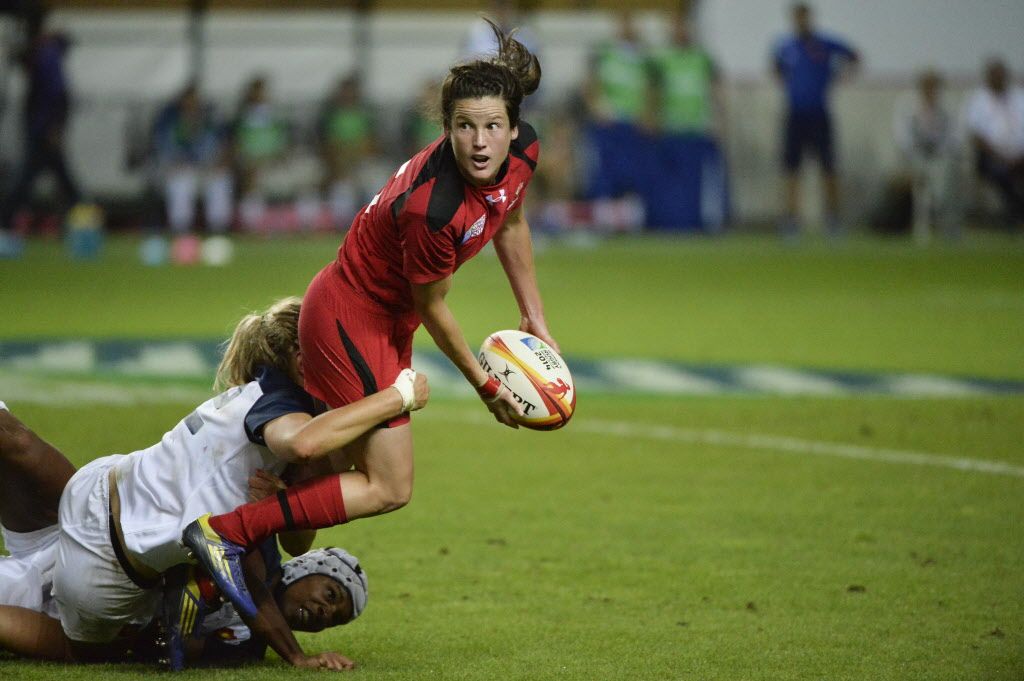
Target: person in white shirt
925, 133
995, 122
121, 516
320, 588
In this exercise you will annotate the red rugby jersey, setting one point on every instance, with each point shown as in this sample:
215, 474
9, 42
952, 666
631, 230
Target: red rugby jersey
427, 221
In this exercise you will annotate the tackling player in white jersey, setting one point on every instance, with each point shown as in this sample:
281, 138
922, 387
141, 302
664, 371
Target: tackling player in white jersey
121, 516
317, 589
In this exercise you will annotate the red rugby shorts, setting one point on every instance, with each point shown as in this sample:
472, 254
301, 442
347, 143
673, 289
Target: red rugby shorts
351, 347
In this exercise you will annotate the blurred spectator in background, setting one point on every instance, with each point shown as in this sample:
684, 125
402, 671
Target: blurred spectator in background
259, 137
190, 149
479, 43
689, 190
995, 121
347, 135
616, 97
555, 179
46, 109
421, 124
807, 63
508, 16
925, 133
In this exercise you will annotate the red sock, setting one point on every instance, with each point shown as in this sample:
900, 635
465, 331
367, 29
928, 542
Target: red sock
309, 505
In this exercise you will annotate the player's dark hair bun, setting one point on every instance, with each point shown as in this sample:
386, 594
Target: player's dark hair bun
514, 56
511, 74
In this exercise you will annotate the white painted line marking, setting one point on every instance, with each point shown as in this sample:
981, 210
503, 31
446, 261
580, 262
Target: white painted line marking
167, 359
922, 385
71, 356
71, 393
658, 377
792, 445
442, 379
59, 392
783, 381
777, 443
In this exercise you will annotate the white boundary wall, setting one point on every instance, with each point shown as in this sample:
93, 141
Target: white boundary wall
124, 59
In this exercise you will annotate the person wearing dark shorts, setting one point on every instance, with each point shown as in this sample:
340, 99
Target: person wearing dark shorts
807, 63
808, 133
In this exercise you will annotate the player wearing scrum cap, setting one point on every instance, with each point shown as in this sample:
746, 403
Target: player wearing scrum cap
318, 589
392, 273
120, 517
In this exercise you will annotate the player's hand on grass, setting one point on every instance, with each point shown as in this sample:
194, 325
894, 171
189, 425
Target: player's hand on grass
333, 661
500, 401
263, 484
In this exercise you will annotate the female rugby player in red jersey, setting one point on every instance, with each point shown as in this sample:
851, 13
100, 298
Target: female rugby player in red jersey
392, 273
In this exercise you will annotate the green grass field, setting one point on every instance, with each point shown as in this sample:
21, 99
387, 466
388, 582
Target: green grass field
719, 537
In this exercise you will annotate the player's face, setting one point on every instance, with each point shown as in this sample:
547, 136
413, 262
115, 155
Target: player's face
314, 603
481, 135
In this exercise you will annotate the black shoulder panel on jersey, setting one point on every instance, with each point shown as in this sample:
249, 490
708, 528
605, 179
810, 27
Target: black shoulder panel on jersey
527, 136
448, 191
280, 397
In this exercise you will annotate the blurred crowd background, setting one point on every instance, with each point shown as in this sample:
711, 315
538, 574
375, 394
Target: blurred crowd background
186, 119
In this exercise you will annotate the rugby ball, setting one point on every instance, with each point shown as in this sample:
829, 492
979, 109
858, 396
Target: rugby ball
535, 374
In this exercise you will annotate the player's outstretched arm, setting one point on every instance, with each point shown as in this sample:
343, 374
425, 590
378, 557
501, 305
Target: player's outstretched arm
300, 437
444, 329
515, 251
270, 625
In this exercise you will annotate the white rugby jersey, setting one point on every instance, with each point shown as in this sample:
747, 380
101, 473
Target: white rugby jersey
202, 465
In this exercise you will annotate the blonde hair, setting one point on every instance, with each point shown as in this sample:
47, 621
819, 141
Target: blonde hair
270, 338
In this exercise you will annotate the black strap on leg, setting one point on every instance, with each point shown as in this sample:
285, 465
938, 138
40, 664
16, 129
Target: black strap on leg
286, 509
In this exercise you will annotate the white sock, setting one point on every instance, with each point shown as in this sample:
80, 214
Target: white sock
3, 406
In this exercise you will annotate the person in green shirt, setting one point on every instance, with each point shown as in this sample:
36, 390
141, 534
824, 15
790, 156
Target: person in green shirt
689, 188
347, 134
616, 100
421, 123
259, 137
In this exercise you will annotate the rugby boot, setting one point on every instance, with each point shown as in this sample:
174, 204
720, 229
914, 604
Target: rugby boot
222, 559
183, 610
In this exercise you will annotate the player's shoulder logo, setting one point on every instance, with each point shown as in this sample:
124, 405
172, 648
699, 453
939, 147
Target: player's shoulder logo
476, 229
515, 198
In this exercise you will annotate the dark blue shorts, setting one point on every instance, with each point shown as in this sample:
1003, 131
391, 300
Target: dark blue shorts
808, 131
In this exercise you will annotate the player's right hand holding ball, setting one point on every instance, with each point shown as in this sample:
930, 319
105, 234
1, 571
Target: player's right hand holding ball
500, 401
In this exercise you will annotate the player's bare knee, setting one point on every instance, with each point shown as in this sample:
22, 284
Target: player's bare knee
393, 498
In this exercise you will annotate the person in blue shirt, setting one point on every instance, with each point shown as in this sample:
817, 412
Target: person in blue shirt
808, 63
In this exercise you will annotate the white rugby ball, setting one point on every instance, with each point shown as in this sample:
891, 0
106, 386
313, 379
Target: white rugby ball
535, 374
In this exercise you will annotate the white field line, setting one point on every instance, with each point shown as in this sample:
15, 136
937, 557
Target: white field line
59, 392
787, 445
70, 393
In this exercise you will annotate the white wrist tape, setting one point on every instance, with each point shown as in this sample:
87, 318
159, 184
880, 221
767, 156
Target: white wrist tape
405, 384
